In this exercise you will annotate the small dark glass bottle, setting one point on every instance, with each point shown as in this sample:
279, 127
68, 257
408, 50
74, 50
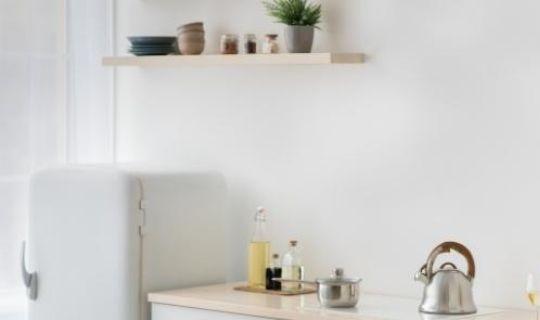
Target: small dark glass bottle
273, 271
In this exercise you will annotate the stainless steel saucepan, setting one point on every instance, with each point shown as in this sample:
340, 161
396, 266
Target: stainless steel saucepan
336, 291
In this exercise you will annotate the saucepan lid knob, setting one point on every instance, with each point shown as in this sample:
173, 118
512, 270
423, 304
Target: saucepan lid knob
338, 277
337, 273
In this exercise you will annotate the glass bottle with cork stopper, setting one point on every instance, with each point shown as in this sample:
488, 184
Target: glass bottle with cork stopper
259, 252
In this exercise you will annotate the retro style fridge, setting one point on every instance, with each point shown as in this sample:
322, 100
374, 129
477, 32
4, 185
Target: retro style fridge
100, 238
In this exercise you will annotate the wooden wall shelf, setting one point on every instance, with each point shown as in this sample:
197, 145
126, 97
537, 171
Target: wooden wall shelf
240, 59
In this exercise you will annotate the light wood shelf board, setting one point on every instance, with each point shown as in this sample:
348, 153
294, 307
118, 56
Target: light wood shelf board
240, 59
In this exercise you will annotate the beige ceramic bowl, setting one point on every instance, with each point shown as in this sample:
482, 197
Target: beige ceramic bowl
191, 32
195, 26
190, 38
191, 47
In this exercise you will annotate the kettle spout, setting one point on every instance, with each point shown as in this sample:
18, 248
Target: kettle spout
419, 276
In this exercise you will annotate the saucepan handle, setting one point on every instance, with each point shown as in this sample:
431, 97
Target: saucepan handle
446, 247
312, 283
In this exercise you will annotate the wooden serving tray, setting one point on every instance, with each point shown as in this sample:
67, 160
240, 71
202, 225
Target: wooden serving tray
275, 292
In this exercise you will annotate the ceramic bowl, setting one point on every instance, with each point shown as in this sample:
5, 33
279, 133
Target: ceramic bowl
191, 38
191, 47
191, 32
196, 26
193, 24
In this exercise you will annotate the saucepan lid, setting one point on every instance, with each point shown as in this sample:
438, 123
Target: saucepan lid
337, 278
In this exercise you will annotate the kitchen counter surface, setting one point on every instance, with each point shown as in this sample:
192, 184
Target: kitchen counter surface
223, 298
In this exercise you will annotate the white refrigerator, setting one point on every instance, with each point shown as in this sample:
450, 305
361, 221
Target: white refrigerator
101, 238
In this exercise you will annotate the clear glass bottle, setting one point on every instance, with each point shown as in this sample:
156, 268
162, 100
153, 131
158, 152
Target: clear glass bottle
270, 44
250, 43
259, 252
273, 271
229, 44
291, 267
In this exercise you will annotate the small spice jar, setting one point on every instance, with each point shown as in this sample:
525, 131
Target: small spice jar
250, 43
229, 44
270, 44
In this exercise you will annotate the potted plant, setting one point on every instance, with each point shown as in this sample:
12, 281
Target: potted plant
300, 17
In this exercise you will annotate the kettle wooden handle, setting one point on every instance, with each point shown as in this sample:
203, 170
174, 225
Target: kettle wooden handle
446, 247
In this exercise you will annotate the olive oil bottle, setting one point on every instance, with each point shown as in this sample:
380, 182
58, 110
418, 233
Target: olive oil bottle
259, 252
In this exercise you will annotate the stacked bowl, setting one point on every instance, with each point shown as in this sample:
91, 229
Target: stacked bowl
191, 38
147, 46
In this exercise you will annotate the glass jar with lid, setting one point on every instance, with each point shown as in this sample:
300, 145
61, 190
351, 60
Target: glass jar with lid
229, 44
270, 44
250, 43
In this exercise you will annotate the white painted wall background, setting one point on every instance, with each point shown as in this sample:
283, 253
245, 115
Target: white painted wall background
435, 138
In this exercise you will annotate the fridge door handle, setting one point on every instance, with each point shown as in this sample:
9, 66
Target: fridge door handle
29, 279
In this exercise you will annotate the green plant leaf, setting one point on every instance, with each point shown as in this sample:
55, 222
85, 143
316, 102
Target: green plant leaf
294, 12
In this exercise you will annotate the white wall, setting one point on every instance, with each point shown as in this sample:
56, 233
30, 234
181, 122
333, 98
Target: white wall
435, 138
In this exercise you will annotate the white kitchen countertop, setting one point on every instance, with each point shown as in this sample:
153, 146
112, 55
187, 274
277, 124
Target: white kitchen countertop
223, 298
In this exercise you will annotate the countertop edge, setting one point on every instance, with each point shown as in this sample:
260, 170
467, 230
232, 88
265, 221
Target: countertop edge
183, 299
172, 299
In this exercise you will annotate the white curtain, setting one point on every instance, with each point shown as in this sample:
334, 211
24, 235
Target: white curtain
55, 107
32, 104
89, 26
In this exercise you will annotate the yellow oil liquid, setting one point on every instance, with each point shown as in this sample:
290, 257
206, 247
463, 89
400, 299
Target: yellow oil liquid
258, 261
534, 298
292, 273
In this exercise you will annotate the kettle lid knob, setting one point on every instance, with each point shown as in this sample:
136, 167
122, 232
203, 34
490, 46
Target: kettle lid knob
448, 265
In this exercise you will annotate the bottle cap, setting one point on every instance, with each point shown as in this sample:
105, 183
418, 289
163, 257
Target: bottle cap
275, 256
261, 214
293, 243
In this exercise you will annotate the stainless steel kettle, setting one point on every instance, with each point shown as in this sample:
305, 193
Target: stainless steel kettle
447, 290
